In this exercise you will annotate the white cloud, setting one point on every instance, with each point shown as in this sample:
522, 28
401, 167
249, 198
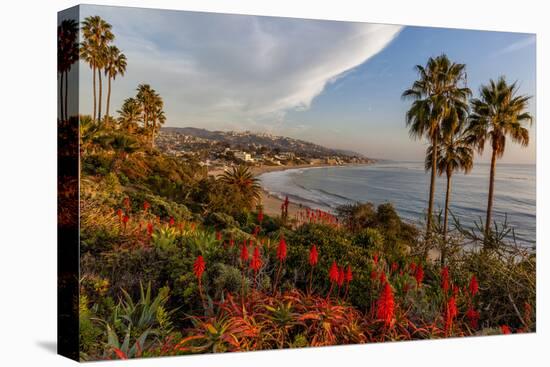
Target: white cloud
516, 46
243, 71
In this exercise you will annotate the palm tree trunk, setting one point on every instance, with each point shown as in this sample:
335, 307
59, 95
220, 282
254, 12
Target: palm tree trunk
108, 97
99, 103
61, 97
153, 134
446, 219
95, 103
66, 95
491, 192
432, 185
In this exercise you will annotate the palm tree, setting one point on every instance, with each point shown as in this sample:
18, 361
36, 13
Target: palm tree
455, 154
439, 97
123, 145
144, 96
116, 64
498, 113
158, 117
97, 35
67, 55
130, 114
242, 180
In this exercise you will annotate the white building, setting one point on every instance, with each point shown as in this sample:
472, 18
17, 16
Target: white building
244, 156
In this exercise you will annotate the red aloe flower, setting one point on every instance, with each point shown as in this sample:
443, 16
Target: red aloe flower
341, 276
171, 221
383, 279
313, 256
375, 258
119, 213
244, 252
505, 329
385, 306
474, 286
445, 279
419, 275
412, 267
473, 317
333, 272
450, 313
281, 249
125, 220
231, 242
394, 267
199, 266
150, 229
349, 274
260, 216
256, 262
218, 236
146, 205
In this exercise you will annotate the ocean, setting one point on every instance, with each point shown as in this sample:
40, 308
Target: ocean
406, 186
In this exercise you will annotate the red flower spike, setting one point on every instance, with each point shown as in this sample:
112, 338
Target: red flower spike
333, 272
281, 249
373, 275
199, 266
341, 277
244, 252
419, 275
349, 274
256, 262
451, 312
383, 279
150, 229
125, 219
394, 267
146, 205
260, 216
375, 259
473, 317
474, 286
505, 329
218, 236
385, 306
119, 213
313, 256
172, 221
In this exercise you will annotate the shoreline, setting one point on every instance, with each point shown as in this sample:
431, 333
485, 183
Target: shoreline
272, 204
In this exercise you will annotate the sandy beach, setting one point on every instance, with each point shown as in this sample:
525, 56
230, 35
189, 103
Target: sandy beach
271, 203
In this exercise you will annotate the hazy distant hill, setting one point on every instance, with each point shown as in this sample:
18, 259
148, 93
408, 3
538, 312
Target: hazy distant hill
247, 138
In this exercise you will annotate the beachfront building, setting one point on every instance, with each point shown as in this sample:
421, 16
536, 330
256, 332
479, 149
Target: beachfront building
243, 156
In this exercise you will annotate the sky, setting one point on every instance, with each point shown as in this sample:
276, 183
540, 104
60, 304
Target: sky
334, 83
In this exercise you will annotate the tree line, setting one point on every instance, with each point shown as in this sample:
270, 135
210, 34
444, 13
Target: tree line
143, 113
456, 125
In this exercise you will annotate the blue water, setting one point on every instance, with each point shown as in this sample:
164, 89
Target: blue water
406, 186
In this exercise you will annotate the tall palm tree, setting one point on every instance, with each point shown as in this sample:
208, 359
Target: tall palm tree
116, 64
455, 154
157, 115
144, 96
242, 180
67, 55
439, 96
130, 114
97, 35
498, 113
